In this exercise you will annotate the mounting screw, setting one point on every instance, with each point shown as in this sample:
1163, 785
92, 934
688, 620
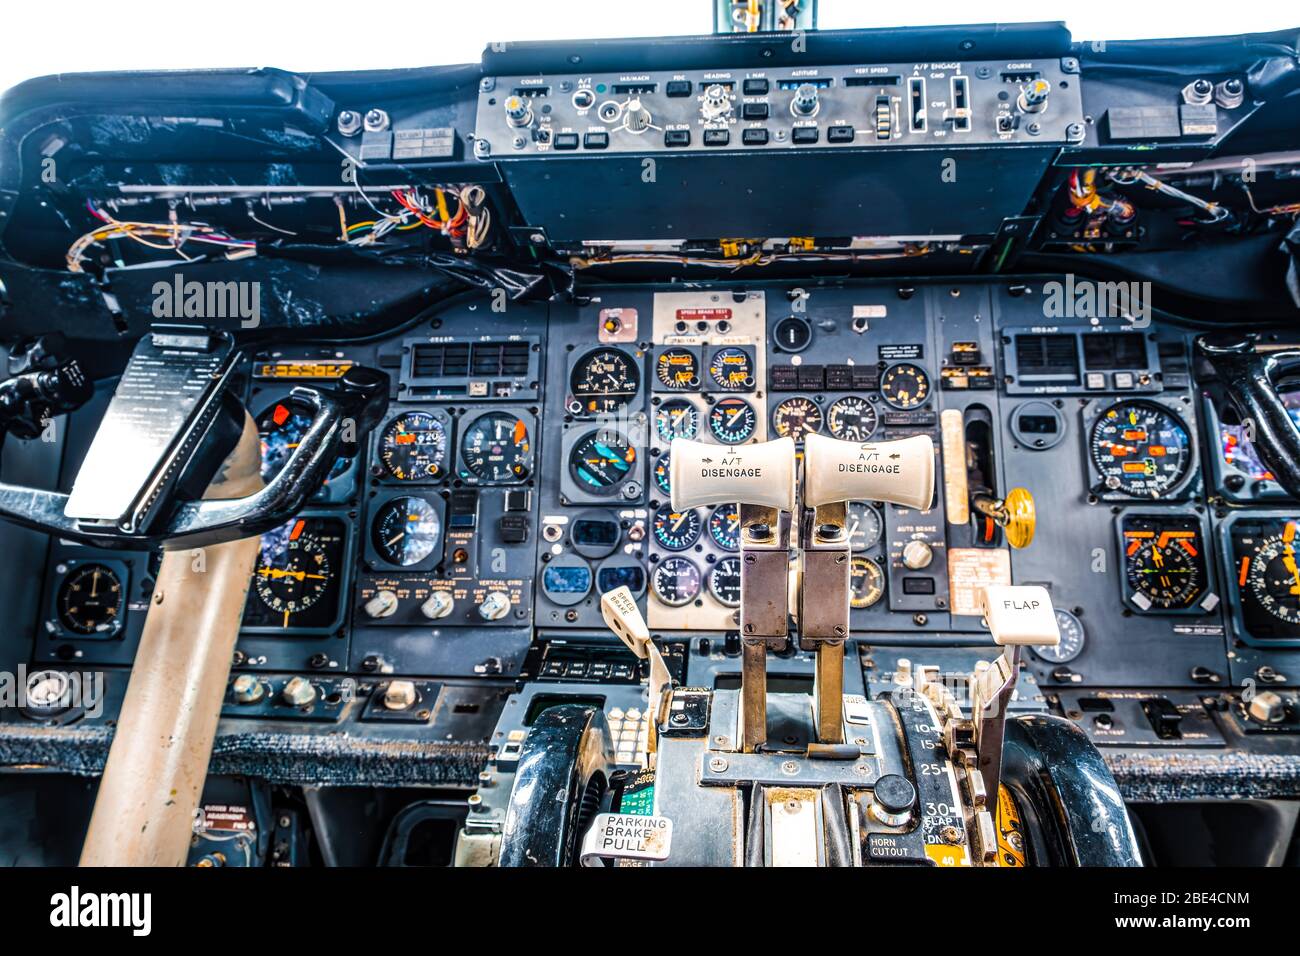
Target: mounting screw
482, 148
487, 84
790, 768
1074, 132
717, 764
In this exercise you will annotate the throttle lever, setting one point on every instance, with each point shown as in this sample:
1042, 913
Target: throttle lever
1248, 376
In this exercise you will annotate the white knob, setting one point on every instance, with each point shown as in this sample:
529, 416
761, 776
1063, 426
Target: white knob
494, 606
900, 472
1020, 614
917, 555
399, 695
758, 474
298, 692
1268, 707
383, 604
438, 605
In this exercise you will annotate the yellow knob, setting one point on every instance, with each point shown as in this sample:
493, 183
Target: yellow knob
1021, 517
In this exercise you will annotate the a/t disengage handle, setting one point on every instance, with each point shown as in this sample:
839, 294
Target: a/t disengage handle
759, 474
900, 472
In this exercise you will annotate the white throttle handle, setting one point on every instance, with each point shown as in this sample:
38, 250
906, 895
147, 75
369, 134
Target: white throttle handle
900, 472
758, 474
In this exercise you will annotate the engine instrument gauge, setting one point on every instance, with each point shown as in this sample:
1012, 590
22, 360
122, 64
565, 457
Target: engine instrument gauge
406, 531
663, 473
1141, 449
724, 582
1072, 640
796, 417
604, 380
496, 448
295, 581
676, 530
1163, 564
677, 419
852, 418
724, 527
281, 428
678, 370
905, 386
866, 582
675, 581
413, 447
90, 600
601, 460
865, 526
732, 369
732, 421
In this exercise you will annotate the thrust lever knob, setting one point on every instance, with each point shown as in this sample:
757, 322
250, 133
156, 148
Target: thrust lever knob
758, 474
900, 472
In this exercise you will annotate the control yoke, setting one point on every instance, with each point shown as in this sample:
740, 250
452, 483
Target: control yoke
171, 423
1248, 374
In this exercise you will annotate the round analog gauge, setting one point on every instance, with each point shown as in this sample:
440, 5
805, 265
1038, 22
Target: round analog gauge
293, 569
792, 334
406, 531
677, 419
604, 381
1141, 449
724, 527
413, 447
90, 600
281, 428
732, 421
1161, 570
496, 448
676, 530
852, 418
724, 582
1274, 578
866, 582
678, 370
1072, 639
663, 474
797, 417
865, 526
601, 460
905, 385
732, 369
676, 581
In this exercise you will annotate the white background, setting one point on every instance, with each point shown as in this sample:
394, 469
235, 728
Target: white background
47, 37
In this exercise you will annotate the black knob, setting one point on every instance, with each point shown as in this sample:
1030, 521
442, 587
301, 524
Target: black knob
895, 794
